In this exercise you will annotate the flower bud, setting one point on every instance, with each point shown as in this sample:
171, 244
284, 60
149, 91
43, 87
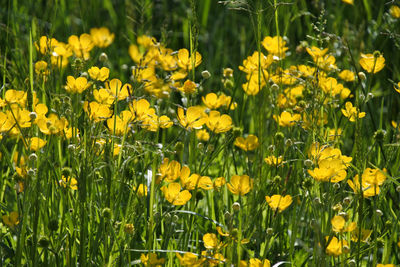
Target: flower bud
362, 76
103, 57
274, 87
279, 136
308, 163
270, 231
33, 157
106, 213
379, 213
205, 74
129, 228
236, 206
33, 116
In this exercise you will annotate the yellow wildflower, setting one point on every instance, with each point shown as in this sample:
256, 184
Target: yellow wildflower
240, 184
276, 46
77, 85
219, 123
172, 192
335, 247
101, 37
81, 45
69, 182
279, 202
395, 11
11, 220
352, 112
372, 64
247, 144
99, 74
194, 118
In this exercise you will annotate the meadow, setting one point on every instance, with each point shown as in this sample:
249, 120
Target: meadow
200, 133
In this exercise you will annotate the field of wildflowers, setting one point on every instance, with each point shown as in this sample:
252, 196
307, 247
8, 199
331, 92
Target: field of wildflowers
200, 133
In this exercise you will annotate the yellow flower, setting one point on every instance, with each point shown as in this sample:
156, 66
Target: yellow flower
99, 74
213, 259
253, 86
212, 101
275, 46
118, 125
203, 135
365, 234
81, 45
16, 97
240, 184
368, 190
172, 192
252, 64
335, 247
70, 182
338, 225
273, 161
51, 124
151, 260
11, 220
194, 118
350, 2
195, 180
330, 170
370, 63
97, 112
248, 144
169, 171
101, 37
188, 87
211, 241
397, 87
219, 123
347, 75
45, 44
352, 112
279, 202
374, 176
116, 89
190, 259
77, 85
219, 182
141, 190
385, 265
254, 262
185, 62
316, 53
35, 143
103, 97
287, 119
394, 11
41, 68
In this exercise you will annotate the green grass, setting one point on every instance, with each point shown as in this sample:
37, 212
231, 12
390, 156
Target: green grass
108, 222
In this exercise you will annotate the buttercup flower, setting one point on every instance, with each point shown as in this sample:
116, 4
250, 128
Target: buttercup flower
371, 63
77, 85
194, 118
352, 112
247, 144
101, 37
172, 192
190, 259
279, 202
219, 123
240, 184
99, 74
11, 220
335, 247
